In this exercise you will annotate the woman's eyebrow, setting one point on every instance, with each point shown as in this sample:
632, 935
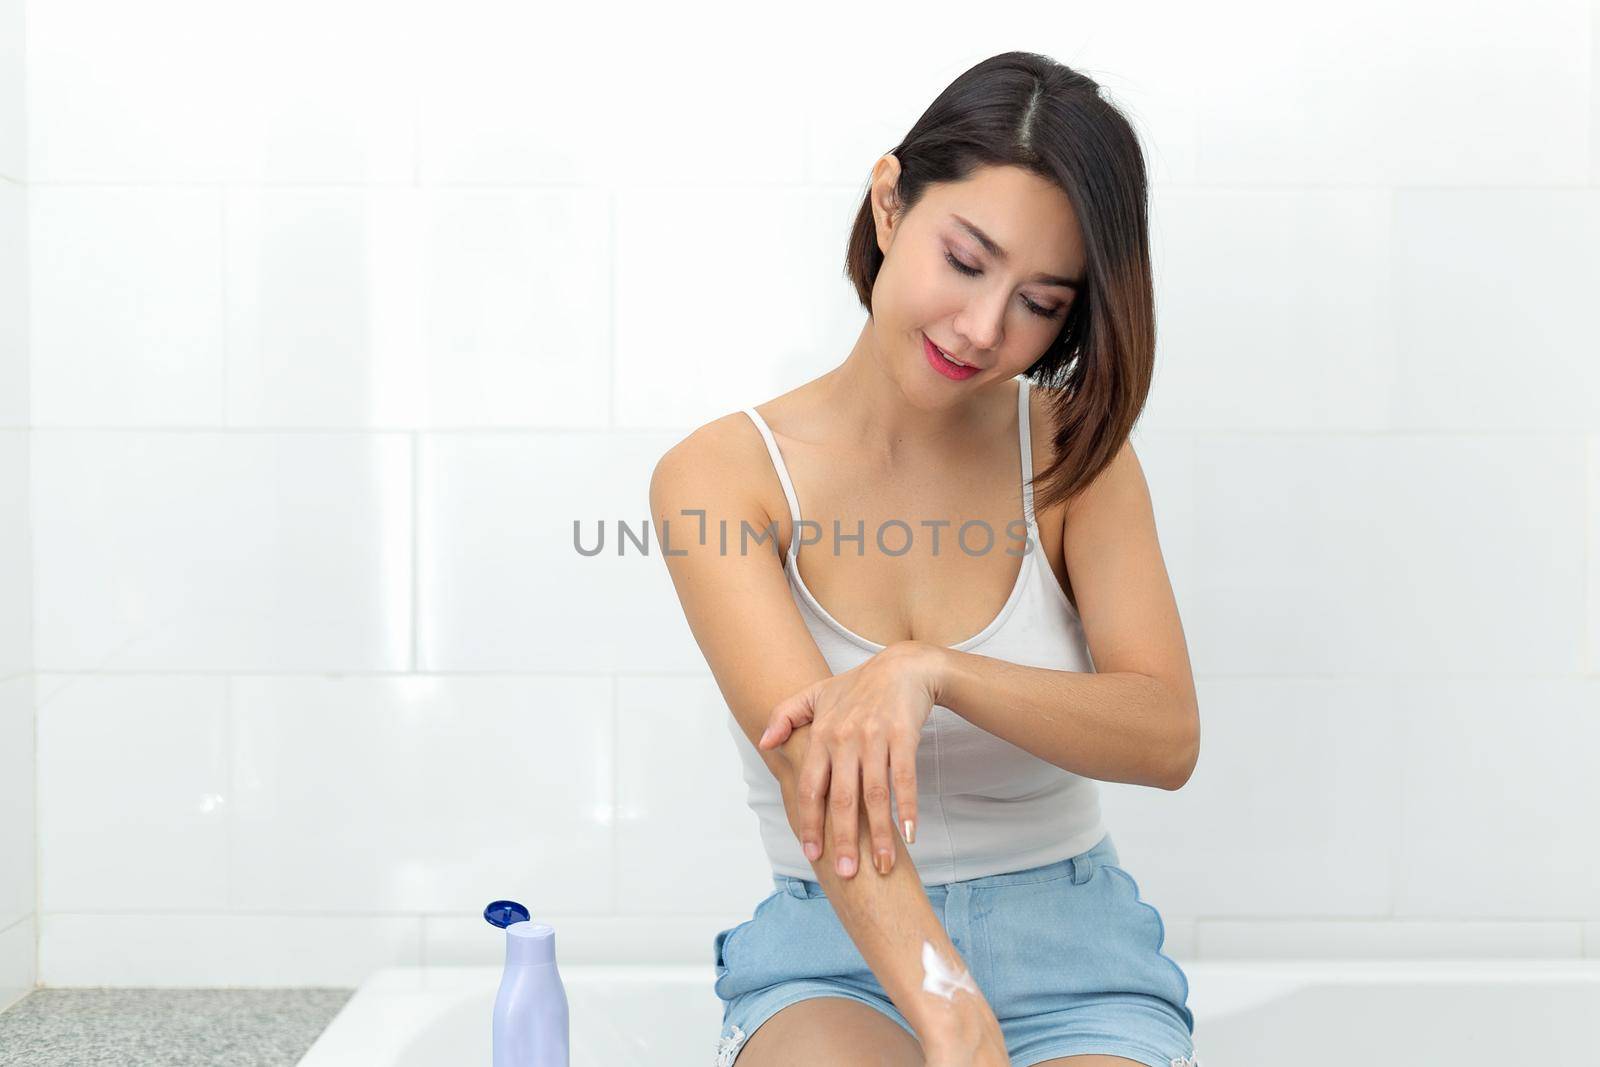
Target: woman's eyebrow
999, 253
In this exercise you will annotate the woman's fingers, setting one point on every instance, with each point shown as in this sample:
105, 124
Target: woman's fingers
788, 713
811, 790
875, 796
861, 759
903, 772
842, 805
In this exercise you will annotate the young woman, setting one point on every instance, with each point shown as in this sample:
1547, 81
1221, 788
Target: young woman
923, 710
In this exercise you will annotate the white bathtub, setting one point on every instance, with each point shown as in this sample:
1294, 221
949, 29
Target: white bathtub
1490, 1013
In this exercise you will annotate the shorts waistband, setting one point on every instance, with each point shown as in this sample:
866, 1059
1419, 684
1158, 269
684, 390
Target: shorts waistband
1079, 868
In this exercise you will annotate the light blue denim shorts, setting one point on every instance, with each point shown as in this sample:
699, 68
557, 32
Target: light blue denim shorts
1068, 956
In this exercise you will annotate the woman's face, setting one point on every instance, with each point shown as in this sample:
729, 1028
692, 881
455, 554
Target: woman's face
995, 304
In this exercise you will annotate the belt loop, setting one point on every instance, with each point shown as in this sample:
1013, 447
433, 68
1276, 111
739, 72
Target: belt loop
1082, 869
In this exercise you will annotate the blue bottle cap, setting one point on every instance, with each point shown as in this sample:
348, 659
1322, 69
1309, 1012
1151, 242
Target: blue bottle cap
503, 913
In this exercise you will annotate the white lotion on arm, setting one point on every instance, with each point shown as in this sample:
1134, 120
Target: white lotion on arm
940, 979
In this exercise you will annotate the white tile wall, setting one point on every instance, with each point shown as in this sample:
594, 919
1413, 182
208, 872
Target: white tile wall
18, 840
421, 794
300, 92
500, 583
686, 355
127, 306
430, 308
134, 794
1418, 94
1592, 598
14, 200
209, 550
18, 871
16, 558
1248, 345
325, 367
1400, 553
13, 108
573, 95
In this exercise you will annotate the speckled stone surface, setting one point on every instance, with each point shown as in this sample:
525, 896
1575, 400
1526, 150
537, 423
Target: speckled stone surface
169, 1027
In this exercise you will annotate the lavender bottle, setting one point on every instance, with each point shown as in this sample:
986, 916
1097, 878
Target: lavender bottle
530, 1010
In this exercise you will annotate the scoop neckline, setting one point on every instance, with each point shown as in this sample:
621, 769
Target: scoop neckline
792, 567
791, 562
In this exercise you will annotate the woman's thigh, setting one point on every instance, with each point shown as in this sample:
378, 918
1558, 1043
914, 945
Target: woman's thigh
832, 1030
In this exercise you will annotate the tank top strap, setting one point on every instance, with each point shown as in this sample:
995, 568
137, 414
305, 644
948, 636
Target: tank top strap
1026, 445
783, 474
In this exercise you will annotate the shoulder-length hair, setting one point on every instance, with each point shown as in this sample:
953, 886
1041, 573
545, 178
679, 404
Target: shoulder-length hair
1027, 110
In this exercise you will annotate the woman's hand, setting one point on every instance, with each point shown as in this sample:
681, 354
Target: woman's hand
865, 727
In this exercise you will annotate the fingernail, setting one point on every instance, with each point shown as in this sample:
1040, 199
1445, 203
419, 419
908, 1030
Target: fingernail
813, 850
881, 861
847, 866
911, 831
764, 736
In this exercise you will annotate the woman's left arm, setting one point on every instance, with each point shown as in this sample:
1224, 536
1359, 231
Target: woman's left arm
1121, 726
1136, 719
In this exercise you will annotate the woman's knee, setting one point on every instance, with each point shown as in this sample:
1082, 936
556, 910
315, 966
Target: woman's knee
830, 1030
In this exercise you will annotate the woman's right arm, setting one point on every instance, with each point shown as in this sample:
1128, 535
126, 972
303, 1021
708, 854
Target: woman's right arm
744, 619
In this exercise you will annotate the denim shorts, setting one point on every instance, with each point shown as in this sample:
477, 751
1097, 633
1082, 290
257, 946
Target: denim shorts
1068, 955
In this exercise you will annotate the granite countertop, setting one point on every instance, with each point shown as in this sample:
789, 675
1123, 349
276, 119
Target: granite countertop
166, 1027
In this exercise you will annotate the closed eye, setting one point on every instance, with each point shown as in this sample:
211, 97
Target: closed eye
1045, 313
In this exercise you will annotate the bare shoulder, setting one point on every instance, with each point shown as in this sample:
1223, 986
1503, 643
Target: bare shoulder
723, 451
720, 467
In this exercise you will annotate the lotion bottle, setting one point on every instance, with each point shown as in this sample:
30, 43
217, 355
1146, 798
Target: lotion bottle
530, 1010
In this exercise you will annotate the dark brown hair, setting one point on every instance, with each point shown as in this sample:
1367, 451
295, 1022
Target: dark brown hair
1027, 110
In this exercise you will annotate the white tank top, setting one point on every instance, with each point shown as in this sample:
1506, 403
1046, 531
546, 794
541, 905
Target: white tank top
984, 805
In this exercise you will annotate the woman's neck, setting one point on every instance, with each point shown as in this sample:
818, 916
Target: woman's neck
865, 407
